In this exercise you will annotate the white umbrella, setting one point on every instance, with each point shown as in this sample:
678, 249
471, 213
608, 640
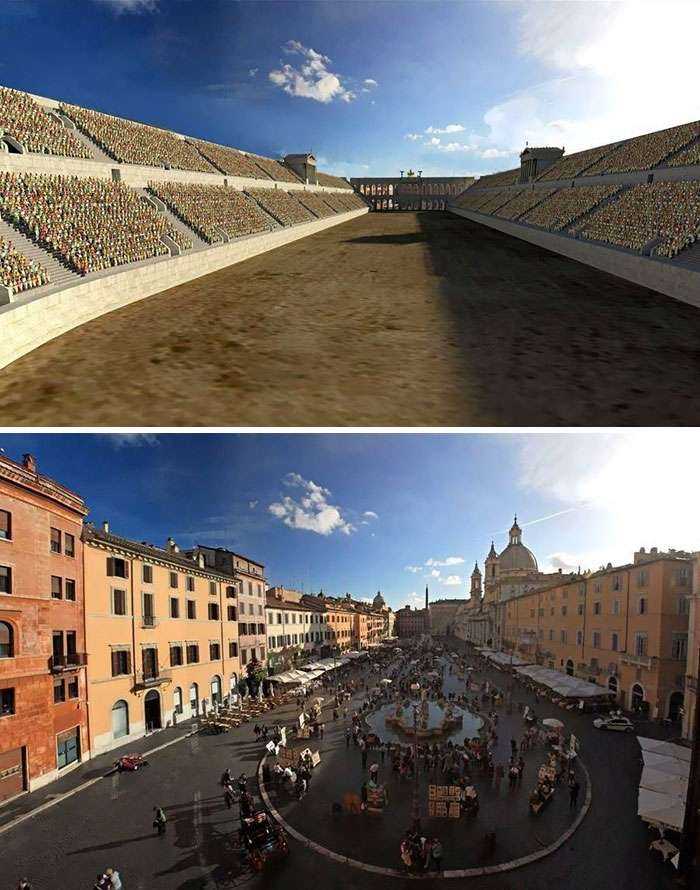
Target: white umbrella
553, 723
385, 680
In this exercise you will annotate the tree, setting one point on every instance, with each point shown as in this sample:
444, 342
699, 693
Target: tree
255, 672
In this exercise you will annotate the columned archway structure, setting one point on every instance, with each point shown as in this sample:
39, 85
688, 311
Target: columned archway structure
410, 192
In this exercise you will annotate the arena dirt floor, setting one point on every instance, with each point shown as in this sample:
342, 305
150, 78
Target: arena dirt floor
404, 319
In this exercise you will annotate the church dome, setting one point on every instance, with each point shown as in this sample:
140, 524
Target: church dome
378, 601
516, 555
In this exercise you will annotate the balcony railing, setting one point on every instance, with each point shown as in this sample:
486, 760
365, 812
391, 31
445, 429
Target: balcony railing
146, 679
644, 661
71, 662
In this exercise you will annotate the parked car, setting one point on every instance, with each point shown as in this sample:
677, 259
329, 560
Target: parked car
618, 723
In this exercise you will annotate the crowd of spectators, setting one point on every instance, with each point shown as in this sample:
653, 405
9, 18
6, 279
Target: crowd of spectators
274, 169
647, 151
91, 224
352, 201
688, 157
209, 208
522, 201
230, 160
131, 143
329, 181
497, 199
506, 177
666, 212
316, 203
281, 205
17, 271
335, 201
575, 164
566, 205
27, 122
473, 199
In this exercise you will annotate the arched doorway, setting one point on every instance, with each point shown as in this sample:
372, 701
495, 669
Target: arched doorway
151, 707
570, 668
675, 703
194, 700
120, 719
7, 640
612, 684
215, 691
636, 698
177, 701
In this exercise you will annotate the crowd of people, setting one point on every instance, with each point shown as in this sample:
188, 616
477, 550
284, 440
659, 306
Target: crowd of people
132, 143
569, 166
506, 177
36, 130
667, 212
274, 169
230, 160
316, 203
523, 201
17, 271
332, 181
566, 205
689, 157
645, 152
281, 205
350, 201
90, 224
209, 208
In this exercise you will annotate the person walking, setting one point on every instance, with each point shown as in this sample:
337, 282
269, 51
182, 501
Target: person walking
24, 884
574, 789
115, 879
159, 820
348, 735
436, 854
229, 796
363, 749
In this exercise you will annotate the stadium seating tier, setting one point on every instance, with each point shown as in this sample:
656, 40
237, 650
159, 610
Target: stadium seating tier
17, 271
36, 130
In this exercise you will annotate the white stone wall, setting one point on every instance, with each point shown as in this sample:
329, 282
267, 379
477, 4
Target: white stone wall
33, 321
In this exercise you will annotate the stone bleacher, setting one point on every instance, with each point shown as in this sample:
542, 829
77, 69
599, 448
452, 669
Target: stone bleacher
522, 202
577, 163
332, 181
281, 205
645, 152
316, 203
90, 224
229, 160
211, 209
36, 130
17, 272
566, 205
274, 169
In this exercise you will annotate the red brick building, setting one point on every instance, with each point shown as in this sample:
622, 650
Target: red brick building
43, 710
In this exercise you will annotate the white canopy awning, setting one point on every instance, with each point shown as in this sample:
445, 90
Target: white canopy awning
663, 785
562, 684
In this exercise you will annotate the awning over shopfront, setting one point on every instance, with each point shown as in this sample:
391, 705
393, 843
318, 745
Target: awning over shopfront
562, 684
663, 785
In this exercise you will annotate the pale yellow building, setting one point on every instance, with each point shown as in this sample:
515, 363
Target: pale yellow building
161, 636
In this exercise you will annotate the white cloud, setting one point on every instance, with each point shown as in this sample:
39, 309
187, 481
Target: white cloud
414, 137
312, 79
252, 72
126, 6
450, 561
450, 128
412, 599
452, 581
132, 440
370, 514
370, 82
253, 504
311, 510
414, 569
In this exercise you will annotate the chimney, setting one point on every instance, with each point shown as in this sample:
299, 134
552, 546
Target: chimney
105, 527
171, 546
200, 560
29, 463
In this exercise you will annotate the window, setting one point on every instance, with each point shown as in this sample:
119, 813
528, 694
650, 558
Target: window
56, 587
147, 574
7, 640
73, 687
231, 613
117, 568
175, 655
642, 605
55, 540
579, 609
616, 582
242, 629
596, 608
683, 605
682, 576
679, 647
191, 609
119, 602
173, 580
174, 607
244, 656
7, 702
596, 639
59, 691
121, 662
69, 544
189, 581
70, 589
5, 525
261, 628
563, 610
5, 579
262, 653
214, 651
579, 637
192, 653
614, 642
616, 607
149, 618
563, 636
212, 588
642, 578
213, 611
232, 649
640, 644
551, 634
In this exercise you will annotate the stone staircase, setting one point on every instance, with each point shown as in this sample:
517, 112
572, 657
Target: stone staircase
93, 147
197, 242
60, 276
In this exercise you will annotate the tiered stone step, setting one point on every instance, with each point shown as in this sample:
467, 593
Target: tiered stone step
197, 242
60, 276
93, 147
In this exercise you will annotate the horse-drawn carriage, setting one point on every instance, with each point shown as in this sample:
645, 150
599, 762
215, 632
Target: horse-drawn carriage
263, 840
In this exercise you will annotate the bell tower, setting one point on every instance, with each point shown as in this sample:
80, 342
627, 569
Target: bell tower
491, 575
475, 592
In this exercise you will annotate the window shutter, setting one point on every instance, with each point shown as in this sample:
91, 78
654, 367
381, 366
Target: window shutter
110, 566
115, 663
128, 662
126, 569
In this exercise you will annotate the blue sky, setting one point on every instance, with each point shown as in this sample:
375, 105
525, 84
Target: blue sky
449, 88
359, 513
